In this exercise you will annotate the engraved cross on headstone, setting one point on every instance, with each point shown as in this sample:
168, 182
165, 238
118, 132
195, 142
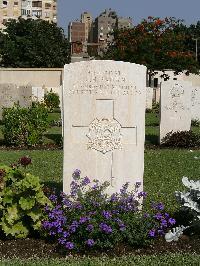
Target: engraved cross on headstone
105, 133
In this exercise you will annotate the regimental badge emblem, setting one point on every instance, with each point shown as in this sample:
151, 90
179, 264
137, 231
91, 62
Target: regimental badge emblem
104, 135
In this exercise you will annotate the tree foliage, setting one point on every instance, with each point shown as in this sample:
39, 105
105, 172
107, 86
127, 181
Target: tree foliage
158, 44
33, 43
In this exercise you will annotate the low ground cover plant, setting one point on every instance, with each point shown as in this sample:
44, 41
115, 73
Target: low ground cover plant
88, 218
181, 139
25, 126
21, 200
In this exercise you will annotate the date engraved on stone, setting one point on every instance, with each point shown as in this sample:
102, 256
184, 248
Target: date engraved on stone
104, 135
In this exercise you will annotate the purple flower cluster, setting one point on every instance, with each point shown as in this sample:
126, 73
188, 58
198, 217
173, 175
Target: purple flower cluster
163, 221
88, 217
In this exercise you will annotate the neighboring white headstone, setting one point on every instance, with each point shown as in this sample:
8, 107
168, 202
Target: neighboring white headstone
195, 108
38, 94
11, 93
104, 122
149, 97
175, 107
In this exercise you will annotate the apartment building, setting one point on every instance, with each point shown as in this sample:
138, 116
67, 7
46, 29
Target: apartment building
86, 18
43, 9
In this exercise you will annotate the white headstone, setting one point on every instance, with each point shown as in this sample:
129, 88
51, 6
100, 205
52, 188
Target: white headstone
175, 107
38, 94
104, 122
195, 108
149, 97
11, 93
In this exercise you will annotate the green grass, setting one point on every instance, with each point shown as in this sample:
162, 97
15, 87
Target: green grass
164, 169
150, 260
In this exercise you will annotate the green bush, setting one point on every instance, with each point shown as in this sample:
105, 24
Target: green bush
181, 139
25, 126
21, 200
51, 100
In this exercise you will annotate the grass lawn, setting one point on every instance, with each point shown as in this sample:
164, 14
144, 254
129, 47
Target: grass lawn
150, 260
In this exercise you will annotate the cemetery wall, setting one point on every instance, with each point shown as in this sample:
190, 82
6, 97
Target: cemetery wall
37, 77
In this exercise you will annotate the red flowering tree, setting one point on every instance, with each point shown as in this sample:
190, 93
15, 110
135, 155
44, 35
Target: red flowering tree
158, 44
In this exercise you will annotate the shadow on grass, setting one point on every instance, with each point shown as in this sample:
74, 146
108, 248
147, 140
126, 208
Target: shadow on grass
151, 139
57, 138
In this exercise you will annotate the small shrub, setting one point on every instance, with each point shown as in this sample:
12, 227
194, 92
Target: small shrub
51, 100
195, 123
56, 123
25, 126
21, 200
155, 108
88, 218
182, 139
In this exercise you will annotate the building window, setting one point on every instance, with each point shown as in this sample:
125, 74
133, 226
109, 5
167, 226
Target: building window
4, 21
5, 3
46, 14
23, 12
15, 3
47, 5
37, 13
37, 4
28, 12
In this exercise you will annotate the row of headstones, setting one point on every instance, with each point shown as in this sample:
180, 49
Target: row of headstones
179, 104
24, 95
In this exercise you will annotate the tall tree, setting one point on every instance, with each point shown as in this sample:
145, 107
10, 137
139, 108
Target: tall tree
33, 43
158, 44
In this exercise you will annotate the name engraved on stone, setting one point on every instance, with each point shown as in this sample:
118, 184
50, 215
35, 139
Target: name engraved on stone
176, 102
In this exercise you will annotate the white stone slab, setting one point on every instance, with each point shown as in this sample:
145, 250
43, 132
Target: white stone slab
11, 93
104, 122
38, 94
195, 108
149, 97
175, 107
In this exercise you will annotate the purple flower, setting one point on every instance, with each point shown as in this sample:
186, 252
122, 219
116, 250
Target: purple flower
158, 216
105, 228
85, 181
53, 198
146, 215
66, 234
62, 241
113, 197
106, 214
158, 206
90, 228
152, 233
164, 223
76, 174
122, 227
171, 221
69, 245
83, 220
90, 242
142, 194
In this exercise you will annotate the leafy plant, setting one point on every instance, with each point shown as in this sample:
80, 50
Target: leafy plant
182, 139
51, 100
25, 126
21, 200
89, 218
190, 202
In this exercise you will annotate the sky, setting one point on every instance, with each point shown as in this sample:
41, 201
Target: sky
70, 10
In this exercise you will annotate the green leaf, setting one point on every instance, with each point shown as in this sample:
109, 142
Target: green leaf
27, 203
